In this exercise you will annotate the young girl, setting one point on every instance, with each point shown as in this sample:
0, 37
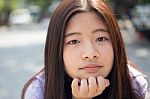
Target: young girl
85, 57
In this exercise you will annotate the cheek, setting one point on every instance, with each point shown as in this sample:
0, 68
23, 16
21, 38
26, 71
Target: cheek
108, 54
111, 55
70, 57
71, 61
108, 58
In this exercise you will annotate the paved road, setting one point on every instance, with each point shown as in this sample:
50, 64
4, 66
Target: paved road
140, 54
21, 55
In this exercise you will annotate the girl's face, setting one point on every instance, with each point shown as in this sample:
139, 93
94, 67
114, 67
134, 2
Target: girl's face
88, 48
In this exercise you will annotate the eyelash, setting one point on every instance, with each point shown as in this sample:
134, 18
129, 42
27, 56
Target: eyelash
72, 42
101, 39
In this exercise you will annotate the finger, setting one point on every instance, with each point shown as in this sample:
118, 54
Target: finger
101, 84
107, 83
84, 87
75, 87
92, 86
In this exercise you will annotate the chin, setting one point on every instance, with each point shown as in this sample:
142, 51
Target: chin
86, 76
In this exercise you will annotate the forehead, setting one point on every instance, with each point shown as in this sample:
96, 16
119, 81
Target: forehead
89, 20
92, 15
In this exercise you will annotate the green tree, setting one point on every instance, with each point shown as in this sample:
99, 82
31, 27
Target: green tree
1, 4
6, 6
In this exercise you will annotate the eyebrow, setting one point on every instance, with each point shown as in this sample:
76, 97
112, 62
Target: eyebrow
78, 33
73, 33
101, 30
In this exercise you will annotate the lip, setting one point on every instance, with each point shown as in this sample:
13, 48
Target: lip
91, 68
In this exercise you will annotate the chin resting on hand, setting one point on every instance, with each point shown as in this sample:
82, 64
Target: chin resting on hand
88, 88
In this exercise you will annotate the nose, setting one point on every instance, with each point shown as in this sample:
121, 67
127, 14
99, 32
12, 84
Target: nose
90, 53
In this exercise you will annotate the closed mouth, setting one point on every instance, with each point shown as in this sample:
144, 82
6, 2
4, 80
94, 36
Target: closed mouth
91, 68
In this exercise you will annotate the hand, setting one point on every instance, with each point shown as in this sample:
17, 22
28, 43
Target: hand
88, 88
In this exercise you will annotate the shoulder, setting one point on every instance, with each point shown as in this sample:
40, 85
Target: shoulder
139, 81
34, 88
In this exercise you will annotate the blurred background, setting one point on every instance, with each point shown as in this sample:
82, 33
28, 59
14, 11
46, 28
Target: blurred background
23, 28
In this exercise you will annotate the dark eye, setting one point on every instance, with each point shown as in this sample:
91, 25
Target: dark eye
101, 39
73, 42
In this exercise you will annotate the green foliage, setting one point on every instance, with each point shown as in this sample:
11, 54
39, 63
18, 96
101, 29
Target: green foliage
146, 1
14, 4
11, 4
1, 4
